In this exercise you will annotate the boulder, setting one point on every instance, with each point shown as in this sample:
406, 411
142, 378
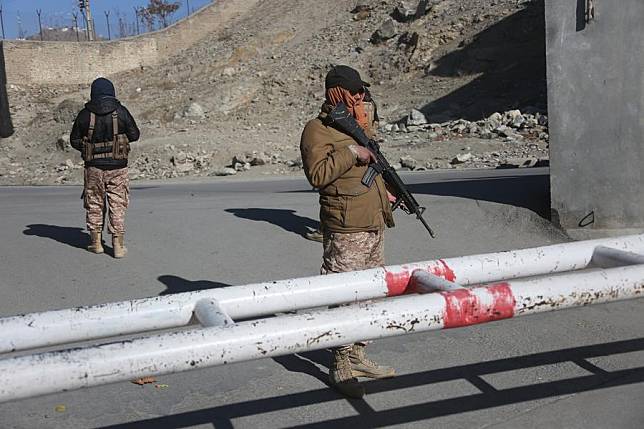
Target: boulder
362, 15
228, 71
386, 31
226, 171
261, 159
242, 158
416, 118
461, 158
404, 12
193, 111
66, 111
408, 162
63, 143
361, 8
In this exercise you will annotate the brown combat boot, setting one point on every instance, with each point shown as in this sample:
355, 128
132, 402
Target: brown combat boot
340, 376
119, 247
362, 366
95, 245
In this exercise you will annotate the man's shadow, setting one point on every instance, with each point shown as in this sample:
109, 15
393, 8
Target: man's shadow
176, 284
285, 219
301, 362
306, 363
71, 236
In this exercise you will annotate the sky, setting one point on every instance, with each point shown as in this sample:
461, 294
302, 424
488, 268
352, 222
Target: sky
59, 13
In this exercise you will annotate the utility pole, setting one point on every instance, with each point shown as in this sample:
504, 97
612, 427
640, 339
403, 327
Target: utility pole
107, 18
136, 15
39, 12
83, 5
188, 6
1, 21
75, 15
21, 31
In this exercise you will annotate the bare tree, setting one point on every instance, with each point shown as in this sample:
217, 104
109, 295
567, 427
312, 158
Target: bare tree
123, 27
146, 18
161, 10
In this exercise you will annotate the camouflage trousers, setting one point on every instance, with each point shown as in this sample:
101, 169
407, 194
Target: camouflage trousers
352, 252
110, 185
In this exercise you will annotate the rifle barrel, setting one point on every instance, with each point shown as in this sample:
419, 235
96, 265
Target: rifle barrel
427, 227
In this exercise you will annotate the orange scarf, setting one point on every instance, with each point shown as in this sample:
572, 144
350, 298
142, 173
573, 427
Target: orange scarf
356, 107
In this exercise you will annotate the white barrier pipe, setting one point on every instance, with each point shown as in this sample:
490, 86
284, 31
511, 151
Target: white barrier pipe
606, 257
141, 315
424, 282
33, 375
209, 313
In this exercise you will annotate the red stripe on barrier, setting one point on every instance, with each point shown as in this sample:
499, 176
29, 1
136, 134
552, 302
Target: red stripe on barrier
466, 307
444, 271
397, 282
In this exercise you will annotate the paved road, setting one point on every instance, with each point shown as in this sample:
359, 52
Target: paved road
581, 368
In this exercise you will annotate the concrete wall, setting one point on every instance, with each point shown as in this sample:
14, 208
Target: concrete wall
35, 62
596, 114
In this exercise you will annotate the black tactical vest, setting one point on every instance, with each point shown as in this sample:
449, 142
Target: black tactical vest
117, 148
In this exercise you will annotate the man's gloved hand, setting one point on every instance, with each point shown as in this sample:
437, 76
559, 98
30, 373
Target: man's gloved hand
363, 155
392, 201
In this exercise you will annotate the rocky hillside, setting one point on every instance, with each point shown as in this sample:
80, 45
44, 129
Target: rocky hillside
459, 83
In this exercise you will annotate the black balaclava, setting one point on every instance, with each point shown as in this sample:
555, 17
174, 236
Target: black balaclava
102, 87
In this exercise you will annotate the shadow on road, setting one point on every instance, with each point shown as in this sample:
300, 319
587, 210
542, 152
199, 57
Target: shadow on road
509, 62
143, 188
531, 192
306, 363
176, 284
285, 219
71, 236
489, 397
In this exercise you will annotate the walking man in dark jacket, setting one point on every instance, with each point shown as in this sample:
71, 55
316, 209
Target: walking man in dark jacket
102, 132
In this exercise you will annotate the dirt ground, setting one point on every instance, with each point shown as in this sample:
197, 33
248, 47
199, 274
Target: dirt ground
241, 96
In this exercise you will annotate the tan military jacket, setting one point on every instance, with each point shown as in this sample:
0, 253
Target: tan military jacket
346, 205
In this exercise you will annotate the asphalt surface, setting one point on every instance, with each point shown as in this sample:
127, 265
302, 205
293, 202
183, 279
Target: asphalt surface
580, 368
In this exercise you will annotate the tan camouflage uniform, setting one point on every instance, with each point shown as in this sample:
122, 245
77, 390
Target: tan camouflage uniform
352, 251
116, 185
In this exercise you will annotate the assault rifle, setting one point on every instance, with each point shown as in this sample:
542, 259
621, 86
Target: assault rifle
341, 119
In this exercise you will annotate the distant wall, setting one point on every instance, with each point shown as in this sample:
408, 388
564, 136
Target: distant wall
596, 114
36, 62
31, 62
6, 127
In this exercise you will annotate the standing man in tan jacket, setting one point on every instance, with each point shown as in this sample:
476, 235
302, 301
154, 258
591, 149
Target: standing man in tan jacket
352, 216
372, 119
